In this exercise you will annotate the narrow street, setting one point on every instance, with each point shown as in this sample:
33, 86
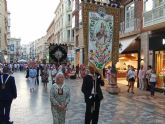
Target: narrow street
34, 108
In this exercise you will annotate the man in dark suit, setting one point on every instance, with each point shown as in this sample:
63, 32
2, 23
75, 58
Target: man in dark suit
8, 92
91, 88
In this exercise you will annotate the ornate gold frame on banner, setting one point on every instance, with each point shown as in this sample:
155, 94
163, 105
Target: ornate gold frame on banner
115, 12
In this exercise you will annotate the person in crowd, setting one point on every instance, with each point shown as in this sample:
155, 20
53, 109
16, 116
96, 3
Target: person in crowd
148, 73
32, 77
8, 92
63, 69
18, 67
60, 68
131, 79
152, 80
109, 74
77, 71
128, 68
91, 88
27, 73
1, 68
141, 76
15, 67
37, 76
10, 67
45, 76
83, 70
53, 74
67, 71
59, 98
73, 69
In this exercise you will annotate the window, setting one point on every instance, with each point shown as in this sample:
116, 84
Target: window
69, 18
73, 21
77, 42
73, 5
69, 3
80, 16
157, 2
148, 5
129, 16
68, 35
73, 33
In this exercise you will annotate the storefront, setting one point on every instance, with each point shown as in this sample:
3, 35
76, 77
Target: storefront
77, 57
71, 56
129, 50
124, 61
157, 54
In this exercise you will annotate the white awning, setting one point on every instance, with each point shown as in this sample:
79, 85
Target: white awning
125, 42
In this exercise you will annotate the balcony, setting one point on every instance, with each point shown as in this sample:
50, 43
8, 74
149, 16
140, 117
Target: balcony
155, 16
68, 8
131, 27
68, 24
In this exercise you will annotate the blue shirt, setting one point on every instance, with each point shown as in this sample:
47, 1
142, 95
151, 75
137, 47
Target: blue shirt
32, 73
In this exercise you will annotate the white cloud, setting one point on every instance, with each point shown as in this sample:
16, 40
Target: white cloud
31, 18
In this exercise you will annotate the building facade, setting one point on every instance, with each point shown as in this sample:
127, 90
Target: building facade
60, 29
8, 28
154, 33
3, 29
142, 36
62, 22
24, 54
14, 50
41, 49
51, 32
77, 32
130, 37
33, 50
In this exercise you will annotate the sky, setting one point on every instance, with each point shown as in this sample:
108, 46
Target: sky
30, 19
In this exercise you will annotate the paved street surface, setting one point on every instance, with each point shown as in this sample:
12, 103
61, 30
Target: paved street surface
34, 108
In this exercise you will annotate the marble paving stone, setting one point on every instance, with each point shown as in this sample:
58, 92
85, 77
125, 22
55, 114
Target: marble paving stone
34, 108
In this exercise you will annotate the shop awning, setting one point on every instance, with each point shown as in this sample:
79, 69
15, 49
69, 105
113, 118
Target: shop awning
128, 45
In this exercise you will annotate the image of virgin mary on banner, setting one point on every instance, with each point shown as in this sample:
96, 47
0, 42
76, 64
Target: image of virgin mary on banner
100, 38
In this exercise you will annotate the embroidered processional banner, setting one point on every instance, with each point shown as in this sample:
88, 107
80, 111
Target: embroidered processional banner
101, 34
58, 53
100, 38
